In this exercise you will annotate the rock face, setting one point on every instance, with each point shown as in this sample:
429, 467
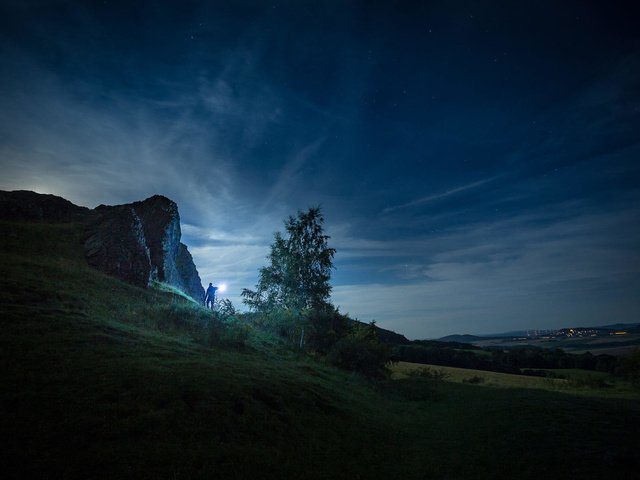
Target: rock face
161, 224
116, 245
137, 242
140, 243
189, 274
25, 205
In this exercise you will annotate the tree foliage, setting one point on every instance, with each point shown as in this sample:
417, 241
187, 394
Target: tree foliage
300, 263
361, 351
326, 327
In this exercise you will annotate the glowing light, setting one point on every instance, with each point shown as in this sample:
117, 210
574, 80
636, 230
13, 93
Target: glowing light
222, 287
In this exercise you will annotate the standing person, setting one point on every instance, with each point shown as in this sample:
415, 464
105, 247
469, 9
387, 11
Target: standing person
210, 297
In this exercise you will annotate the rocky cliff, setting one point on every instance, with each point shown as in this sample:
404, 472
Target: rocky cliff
115, 244
150, 231
137, 242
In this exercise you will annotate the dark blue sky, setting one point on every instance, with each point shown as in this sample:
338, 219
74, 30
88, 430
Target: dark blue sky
477, 162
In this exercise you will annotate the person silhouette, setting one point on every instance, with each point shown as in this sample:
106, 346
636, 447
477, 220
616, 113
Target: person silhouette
210, 297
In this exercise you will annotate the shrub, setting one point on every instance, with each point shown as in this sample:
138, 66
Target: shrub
227, 327
590, 381
236, 334
629, 366
475, 380
360, 353
325, 328
427, 372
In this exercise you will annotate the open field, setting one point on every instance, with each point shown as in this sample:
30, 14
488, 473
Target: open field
577, 382
493, 379
103, 380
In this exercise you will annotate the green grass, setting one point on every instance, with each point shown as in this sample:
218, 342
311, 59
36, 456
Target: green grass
569, 381
489, 379
104, 380
164, 287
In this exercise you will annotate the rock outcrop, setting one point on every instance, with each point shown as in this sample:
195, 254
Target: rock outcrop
116, 245
147, 232
188, 273
161, 224
137, 242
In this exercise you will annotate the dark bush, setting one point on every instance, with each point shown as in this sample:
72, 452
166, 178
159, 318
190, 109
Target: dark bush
236, 334
361, 352
590, 381
629, 366
426, 372
475, 380
326, 327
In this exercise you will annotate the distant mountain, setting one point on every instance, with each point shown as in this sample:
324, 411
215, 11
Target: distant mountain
617, 326
524, 333
461, 338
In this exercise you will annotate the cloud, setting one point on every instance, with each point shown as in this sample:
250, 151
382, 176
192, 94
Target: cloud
95, 148
439, 196
245, 129
92, 146
506, 275
289, 174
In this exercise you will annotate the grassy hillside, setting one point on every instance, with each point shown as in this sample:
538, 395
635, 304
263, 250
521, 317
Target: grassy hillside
104, 380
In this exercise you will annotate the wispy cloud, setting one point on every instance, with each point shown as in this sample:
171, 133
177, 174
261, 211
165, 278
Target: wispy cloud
577, 269
88, 145
242, 127
441, 195
289, 174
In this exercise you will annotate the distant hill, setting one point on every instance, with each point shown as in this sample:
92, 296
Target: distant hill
466, 338
513, 333
618, 326
461, 338
390, 337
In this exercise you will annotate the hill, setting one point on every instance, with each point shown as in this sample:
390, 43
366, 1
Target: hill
461, 338
104, 379
633, 327
390, 337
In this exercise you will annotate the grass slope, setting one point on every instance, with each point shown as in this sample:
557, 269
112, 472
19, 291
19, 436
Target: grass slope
104, 380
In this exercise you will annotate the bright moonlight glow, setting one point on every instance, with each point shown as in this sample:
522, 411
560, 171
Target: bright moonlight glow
222, 287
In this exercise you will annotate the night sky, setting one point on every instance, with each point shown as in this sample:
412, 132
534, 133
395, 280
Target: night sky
477, 162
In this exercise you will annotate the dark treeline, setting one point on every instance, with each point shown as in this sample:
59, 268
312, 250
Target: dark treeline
512, 360
418, 352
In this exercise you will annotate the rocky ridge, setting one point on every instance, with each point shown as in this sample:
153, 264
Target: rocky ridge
137, 242
21, 205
